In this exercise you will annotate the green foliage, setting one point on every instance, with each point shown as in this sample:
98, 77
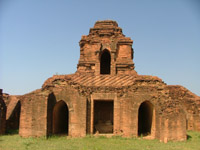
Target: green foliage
15, 142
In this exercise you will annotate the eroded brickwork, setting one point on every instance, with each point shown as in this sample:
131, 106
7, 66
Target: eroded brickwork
190, 103
107, 96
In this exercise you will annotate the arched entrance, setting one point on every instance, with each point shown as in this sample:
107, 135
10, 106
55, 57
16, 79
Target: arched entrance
145, 116
60, 118
105, 62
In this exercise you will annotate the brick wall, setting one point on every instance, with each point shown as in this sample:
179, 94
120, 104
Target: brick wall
2, 114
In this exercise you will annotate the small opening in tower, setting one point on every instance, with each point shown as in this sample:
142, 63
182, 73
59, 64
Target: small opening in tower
105, 62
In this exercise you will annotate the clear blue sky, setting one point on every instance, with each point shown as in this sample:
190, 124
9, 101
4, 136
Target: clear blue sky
40, 38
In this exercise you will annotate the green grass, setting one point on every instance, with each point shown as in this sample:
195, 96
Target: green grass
15, 142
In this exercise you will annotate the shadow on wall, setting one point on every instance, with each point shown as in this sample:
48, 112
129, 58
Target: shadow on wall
12, 124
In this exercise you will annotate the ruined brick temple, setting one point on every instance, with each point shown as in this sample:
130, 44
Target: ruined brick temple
104, 96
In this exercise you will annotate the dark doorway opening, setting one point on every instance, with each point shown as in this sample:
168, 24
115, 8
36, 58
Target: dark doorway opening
50, 107
60, 118
145, 114
105, 62
103, 116
12, 124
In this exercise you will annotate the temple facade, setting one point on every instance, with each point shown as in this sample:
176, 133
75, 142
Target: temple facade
105, 96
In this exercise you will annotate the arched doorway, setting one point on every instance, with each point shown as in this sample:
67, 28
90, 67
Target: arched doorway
145, 116
60, 118
105, 62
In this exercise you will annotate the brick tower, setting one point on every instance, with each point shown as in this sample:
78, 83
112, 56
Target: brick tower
106, 50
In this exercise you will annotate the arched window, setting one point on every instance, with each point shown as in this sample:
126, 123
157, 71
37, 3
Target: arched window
60, 118
145, 115
105, 62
